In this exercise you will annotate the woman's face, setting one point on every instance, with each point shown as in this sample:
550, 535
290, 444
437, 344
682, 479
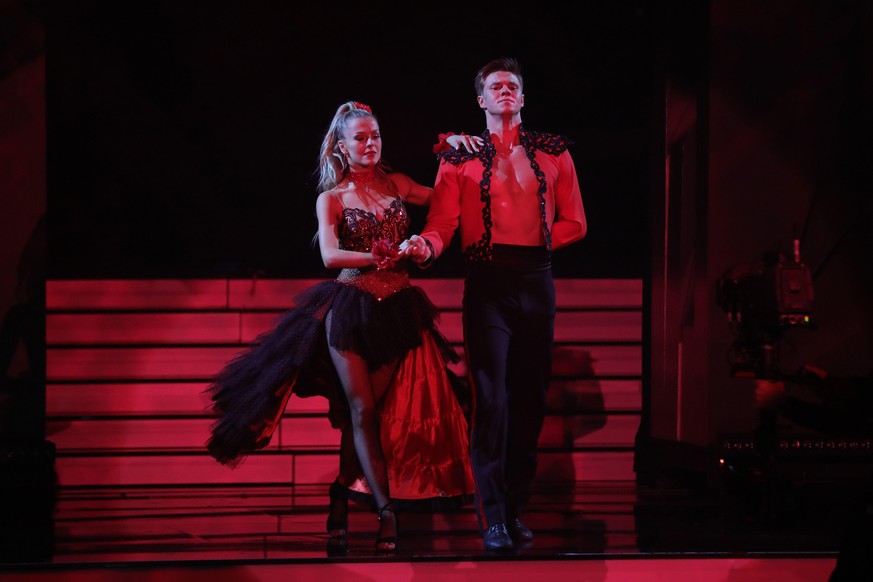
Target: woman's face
362, 143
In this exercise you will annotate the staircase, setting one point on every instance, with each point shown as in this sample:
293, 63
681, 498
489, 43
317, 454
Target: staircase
128, 361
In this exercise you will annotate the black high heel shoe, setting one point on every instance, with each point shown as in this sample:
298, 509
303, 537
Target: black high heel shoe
339, 502
337, 528
387, 543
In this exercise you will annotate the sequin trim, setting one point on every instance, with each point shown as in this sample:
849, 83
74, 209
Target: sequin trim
480, 251
379, 284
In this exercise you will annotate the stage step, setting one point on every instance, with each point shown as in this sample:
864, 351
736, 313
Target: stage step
128, 361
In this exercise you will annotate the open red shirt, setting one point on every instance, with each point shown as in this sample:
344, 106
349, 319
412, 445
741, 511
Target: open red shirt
461, 196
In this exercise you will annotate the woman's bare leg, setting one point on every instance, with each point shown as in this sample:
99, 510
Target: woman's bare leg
349, 468
380, 380
361, 396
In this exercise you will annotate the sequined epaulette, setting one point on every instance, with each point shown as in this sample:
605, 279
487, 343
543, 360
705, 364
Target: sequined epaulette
456, 157
532, 141
546, 142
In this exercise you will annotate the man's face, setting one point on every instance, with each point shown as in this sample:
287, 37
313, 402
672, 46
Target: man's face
502, 94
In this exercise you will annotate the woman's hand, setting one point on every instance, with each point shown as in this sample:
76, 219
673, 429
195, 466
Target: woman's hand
471, 143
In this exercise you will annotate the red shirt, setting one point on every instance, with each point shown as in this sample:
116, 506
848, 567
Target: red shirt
462, 195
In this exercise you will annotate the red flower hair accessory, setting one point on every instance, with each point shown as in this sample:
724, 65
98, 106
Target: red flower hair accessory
359, 105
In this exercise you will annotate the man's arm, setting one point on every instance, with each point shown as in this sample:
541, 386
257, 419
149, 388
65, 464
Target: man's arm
570, 223
847, 414
445, 209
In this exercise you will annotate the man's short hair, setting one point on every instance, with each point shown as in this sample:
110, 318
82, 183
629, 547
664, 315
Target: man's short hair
504, 64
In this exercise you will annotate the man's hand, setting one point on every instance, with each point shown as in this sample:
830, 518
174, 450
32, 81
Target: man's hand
769, 393
815, 371
415, 249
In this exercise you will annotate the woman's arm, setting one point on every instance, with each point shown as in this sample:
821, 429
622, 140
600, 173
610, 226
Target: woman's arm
413, 192
410, 190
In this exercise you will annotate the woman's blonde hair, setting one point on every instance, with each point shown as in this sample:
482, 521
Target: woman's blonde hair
332, 164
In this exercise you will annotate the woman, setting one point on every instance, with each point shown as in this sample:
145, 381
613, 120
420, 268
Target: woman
367, 341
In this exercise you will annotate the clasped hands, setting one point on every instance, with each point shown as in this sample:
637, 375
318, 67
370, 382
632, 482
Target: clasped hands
386, 254
415, 249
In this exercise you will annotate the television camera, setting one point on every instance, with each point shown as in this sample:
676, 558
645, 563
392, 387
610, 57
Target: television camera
762, 300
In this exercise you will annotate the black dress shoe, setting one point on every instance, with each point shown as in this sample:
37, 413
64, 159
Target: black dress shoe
497, 538
519, 532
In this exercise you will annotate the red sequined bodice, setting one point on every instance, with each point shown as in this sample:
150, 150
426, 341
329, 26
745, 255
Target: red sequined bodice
360, 228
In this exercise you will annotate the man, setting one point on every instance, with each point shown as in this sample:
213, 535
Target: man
843, 408
516, 198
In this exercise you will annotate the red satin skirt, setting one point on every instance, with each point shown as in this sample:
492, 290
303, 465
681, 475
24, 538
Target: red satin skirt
424, 435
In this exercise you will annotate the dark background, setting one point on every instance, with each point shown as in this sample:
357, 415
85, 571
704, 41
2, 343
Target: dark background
183, 136
182, 140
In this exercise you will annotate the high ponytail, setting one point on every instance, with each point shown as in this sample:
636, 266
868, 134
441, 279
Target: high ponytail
332, 164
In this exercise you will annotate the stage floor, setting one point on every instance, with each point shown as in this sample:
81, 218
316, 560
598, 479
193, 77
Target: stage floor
604, 520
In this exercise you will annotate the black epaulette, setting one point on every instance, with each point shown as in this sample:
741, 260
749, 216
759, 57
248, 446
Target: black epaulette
546, 142
456, 157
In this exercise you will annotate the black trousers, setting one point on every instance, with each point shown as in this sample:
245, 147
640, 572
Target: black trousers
509, 323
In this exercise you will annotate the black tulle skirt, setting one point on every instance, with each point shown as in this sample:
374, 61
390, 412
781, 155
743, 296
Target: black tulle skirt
250, 393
